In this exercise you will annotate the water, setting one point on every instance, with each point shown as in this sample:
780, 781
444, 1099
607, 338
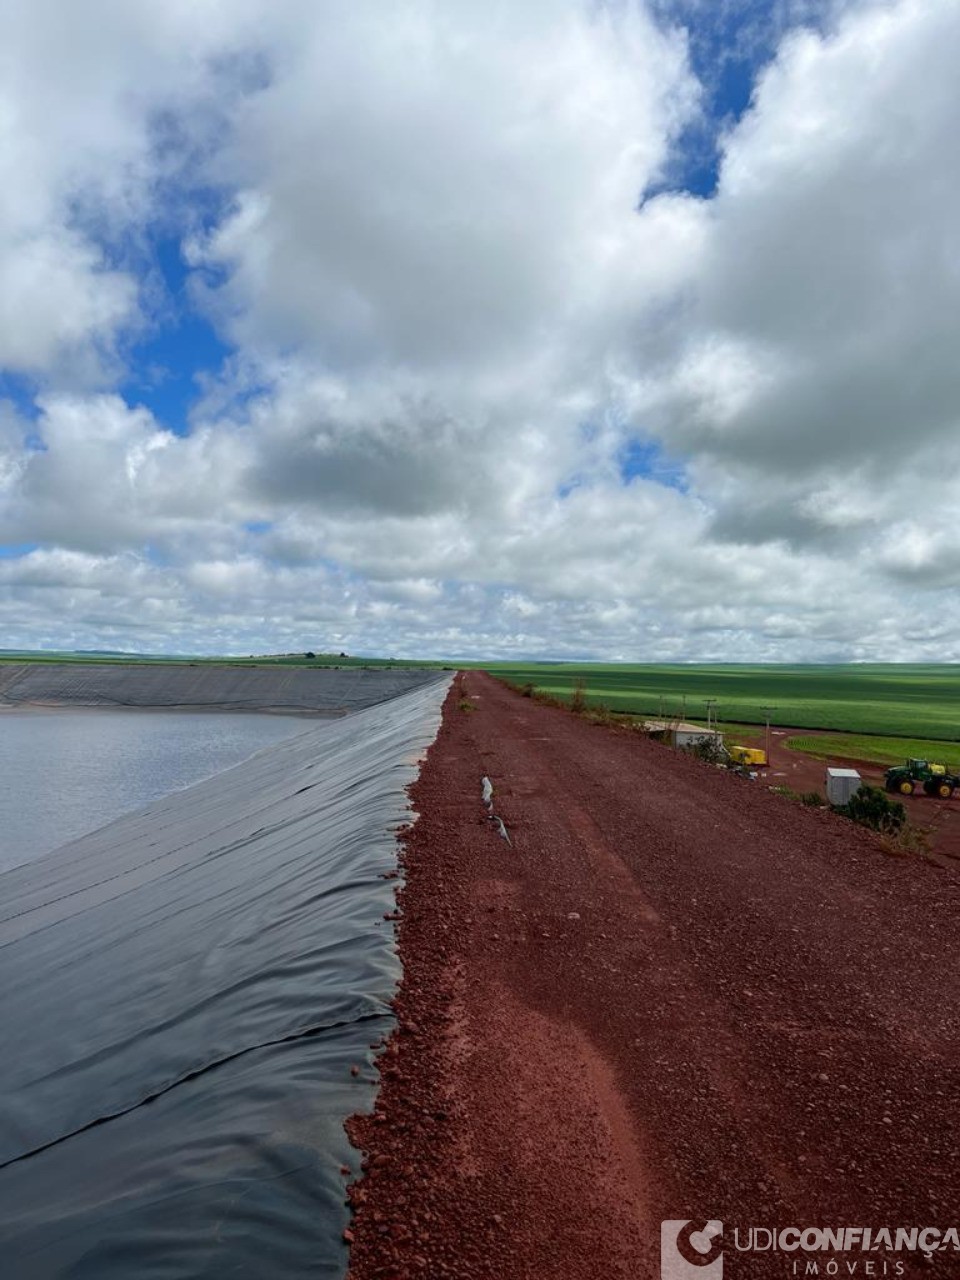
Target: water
66, 772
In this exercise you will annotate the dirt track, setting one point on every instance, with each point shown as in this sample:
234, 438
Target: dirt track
673, 996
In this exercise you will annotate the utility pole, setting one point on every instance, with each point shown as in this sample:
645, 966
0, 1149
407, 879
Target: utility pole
711, 703
768, 712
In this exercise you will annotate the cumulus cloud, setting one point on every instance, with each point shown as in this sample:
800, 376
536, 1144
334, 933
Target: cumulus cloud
440, 185
96, 475
815, 352
464, 326
103, 106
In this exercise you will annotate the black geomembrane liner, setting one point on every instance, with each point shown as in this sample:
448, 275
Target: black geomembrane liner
182, 995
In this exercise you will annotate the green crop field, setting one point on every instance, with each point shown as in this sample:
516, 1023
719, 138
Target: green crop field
910, 701
876, 750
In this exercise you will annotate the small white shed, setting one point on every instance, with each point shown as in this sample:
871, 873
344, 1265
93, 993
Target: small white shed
841, 785
678, 733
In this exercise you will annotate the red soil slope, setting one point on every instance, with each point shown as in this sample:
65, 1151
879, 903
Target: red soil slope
674, 995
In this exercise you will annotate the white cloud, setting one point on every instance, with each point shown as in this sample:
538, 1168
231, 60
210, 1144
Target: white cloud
825, 283
97, 476
450, 319
103, 104
442, 187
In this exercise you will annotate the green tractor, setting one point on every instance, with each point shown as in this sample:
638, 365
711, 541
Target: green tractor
935, 778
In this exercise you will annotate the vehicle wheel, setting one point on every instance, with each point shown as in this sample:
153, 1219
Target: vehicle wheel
944, 791
905, 788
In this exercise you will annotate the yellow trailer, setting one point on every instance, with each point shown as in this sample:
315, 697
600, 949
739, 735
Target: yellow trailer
754, 757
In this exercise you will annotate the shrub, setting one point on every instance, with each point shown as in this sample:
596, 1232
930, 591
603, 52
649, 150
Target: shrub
812, 799
548, 700
708, 749
527, 690
906, 841
578, 700
600, 713
871, 807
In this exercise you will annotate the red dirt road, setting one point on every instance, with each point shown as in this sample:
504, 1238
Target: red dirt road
674, 995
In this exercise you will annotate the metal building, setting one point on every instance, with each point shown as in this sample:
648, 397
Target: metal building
841, 784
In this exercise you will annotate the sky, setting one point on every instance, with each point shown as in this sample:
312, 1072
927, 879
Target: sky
595, 329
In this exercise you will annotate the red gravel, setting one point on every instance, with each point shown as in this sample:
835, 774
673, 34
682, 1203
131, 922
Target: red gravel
675, 995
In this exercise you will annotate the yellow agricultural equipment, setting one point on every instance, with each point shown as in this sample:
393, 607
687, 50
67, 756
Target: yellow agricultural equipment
936, 778
752, 757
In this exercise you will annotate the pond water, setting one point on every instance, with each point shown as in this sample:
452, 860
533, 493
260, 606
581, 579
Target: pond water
64, 772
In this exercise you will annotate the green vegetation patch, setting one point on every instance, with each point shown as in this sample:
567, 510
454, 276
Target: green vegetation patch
876, 750
740, 735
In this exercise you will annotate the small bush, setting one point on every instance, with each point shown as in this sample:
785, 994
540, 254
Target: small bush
906, 841
871, 807
578, 700
466, 705
599, 713
812, 799
708, 749
548, 700
528, 690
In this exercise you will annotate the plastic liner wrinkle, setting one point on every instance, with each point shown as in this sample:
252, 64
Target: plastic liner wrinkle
192, 1075
486, 792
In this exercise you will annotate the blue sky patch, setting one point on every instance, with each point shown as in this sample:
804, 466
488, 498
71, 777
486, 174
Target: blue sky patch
730, 43
19, 391
645, 459
184, 344
16, 550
